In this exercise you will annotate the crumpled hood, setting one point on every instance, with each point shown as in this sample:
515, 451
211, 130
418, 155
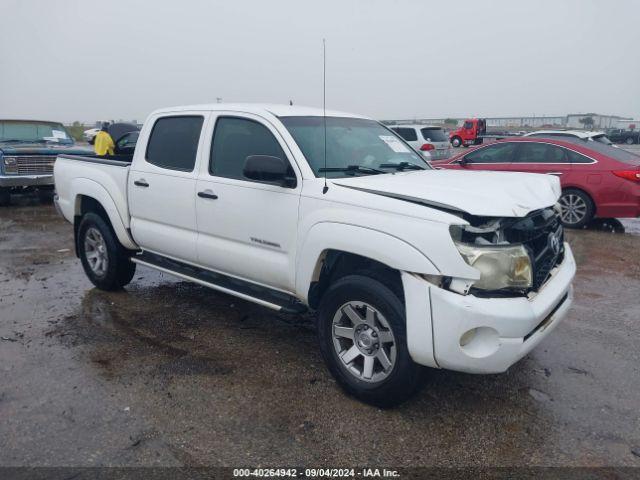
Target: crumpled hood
491, 194
41, 149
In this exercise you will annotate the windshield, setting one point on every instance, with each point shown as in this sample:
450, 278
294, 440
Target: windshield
355, 146
434, 135
27, 132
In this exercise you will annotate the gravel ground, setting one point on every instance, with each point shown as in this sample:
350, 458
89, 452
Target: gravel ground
170, 373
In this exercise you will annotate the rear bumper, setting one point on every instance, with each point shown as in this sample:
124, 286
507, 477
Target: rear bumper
504, 329
25, 180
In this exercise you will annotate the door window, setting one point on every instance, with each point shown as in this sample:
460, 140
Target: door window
499, 153
235, 139
533, 152
173, 143
409, 134
575, 157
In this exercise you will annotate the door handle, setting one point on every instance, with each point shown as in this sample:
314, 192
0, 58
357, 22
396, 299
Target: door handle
208, 194
141, 183
554, 173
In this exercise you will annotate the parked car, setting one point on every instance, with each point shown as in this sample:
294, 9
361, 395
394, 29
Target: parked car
28, 150
406, 266
90, 135
430, 140
618, 135
597, 180
586, 135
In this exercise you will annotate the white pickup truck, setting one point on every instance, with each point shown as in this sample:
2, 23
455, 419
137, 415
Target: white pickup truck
406, 266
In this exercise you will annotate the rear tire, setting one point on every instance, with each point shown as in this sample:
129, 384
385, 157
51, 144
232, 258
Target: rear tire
105, 261
366, 349
5, 197
629, 141
576, 207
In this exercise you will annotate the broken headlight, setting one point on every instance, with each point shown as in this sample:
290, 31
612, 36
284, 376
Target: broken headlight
501, 267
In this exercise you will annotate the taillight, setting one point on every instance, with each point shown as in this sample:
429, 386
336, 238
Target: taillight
633, 175
426, 147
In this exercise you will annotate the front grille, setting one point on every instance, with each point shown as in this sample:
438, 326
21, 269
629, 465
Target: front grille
35, 164
542, 234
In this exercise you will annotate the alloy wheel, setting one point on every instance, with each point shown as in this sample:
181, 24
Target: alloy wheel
363, 341
572, 208
95, 250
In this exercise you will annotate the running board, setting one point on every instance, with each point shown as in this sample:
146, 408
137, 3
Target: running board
251, 292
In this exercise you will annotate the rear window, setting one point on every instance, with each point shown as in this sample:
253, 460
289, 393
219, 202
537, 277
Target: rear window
434, 135
409, 134
173, 143
616, 153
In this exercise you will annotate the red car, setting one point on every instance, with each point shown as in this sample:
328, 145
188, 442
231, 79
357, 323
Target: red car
597, 179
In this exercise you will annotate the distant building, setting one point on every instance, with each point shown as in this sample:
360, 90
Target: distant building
573, 120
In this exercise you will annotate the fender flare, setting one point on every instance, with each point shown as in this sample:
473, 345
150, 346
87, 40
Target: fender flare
90, 188
380, 246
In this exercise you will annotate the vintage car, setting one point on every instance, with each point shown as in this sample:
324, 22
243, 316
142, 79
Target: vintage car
28, 150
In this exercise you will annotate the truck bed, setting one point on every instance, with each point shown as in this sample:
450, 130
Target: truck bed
101, 178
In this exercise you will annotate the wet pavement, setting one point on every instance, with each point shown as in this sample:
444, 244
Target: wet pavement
170, 373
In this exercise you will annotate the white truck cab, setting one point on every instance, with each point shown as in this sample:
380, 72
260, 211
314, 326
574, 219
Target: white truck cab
405, 266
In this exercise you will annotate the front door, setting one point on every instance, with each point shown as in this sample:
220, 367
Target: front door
247, 228
161, 188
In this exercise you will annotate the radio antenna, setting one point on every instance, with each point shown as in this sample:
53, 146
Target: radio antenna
324, 110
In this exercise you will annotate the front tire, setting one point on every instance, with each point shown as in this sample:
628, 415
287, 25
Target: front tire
629, 141
456, 142
576, 208
105, 261
362, 335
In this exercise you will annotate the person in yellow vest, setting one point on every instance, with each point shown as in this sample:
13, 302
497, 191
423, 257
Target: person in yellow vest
103, 144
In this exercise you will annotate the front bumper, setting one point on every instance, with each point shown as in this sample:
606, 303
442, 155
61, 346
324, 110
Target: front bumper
25, 180
506, 329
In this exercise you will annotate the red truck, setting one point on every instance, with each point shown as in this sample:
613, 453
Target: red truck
474, 132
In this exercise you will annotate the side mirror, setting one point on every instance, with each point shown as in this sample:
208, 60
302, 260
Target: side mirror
268, 169
463, 161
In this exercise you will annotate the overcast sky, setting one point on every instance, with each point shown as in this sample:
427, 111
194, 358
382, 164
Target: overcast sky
88, 60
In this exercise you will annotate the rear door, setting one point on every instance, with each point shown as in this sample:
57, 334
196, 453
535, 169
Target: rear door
246, 228
162, 184
542, 157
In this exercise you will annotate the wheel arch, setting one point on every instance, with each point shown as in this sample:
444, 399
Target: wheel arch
90, 196
331, 249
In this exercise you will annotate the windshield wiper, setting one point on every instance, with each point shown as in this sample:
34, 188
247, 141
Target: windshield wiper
352, 168
402, 166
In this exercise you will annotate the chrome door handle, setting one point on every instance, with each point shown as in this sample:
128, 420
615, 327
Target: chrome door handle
554, 173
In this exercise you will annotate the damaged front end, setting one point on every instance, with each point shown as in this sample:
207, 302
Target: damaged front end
515, 256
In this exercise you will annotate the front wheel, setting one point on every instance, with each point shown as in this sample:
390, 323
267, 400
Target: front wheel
362, 334
629, 141
105, 261
456, 142
576, 208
